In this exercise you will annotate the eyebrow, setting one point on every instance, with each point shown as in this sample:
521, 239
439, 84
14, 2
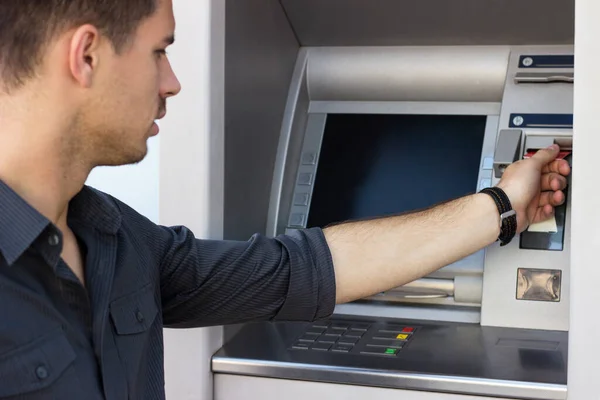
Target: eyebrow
169, 40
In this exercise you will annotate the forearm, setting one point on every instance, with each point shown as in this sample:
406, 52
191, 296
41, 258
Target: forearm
377, 255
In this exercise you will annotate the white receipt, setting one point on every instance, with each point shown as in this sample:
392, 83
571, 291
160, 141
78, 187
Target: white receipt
547, 226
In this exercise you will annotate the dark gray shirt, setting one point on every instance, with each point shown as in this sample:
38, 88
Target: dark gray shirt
61, 340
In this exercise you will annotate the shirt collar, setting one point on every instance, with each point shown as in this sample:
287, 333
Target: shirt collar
21, 224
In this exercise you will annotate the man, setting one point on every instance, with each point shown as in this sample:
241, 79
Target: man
87, 284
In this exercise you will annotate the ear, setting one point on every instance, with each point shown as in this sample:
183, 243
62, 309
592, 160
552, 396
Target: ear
84, 54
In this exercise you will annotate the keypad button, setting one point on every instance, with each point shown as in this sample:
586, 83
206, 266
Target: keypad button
320, 324
315, 330
333, 332
308, 337
342, 348
321, 346
360, 327
327, 339
339, 326
353, 333
348, 340
301, 346
390, 335
396, 344
380, 351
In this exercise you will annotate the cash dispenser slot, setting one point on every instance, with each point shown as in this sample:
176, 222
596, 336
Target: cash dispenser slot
544, 77
546, 235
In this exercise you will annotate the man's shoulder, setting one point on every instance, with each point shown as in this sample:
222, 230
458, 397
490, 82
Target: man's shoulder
106, 209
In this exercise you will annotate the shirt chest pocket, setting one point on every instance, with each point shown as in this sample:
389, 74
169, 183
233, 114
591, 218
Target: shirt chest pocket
133, 317
38, 368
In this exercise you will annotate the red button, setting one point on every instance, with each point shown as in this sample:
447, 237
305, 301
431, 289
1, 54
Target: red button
408, 329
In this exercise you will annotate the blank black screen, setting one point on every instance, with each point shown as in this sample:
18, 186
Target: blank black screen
375, 165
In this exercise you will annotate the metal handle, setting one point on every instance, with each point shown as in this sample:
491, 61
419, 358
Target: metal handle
425, 288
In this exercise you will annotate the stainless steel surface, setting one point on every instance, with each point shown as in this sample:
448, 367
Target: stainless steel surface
404, 107
469, 74
428, 309
450, 358
288, 150
431, 22
235, 387
500, 306
260, 54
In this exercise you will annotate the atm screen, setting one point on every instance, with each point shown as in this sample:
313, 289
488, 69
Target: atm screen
375, 165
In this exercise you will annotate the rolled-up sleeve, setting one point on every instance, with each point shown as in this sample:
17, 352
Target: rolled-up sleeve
211, 282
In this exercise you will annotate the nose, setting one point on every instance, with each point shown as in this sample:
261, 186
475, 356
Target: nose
170, 85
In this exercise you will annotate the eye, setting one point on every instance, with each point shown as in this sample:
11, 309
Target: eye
160, 53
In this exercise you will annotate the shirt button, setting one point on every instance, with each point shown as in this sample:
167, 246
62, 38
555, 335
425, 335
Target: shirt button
139, 316
41, 372
53, 239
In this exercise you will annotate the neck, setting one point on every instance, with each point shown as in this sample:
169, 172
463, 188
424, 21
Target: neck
40, 165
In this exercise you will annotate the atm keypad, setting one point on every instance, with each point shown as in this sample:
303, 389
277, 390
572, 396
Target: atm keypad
355, 338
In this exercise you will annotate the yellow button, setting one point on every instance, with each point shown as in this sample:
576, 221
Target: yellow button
402, 336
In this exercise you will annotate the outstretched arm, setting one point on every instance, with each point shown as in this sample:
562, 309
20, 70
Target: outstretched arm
380, 254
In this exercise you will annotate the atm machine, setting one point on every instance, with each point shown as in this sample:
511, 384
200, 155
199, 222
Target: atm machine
371, 131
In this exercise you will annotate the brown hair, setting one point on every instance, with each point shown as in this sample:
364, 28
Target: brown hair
27, 26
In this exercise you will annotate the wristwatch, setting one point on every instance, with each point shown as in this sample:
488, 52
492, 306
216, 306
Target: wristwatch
508, 216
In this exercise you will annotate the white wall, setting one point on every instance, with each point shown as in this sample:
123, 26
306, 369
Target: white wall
191, 172
584, 332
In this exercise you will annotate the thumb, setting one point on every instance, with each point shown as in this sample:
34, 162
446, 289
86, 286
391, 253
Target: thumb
547, 155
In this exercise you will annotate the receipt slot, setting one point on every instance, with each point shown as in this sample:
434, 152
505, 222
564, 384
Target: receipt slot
515, 144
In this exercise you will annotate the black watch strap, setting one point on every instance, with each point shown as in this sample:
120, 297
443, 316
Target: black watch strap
508, 217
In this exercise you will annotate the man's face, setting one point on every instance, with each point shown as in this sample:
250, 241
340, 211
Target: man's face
129, 93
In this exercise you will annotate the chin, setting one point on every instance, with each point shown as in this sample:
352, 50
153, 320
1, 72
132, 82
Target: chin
130, 156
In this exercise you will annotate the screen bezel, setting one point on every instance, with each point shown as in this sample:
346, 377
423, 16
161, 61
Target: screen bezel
307, 167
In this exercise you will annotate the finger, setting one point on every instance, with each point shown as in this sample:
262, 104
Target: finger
547, 155
553, 181
552, 198
558, 166
543, 213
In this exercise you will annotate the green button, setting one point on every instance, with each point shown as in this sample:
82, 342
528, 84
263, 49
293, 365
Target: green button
390, 351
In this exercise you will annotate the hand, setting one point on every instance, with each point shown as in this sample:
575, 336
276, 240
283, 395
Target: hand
535, 186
